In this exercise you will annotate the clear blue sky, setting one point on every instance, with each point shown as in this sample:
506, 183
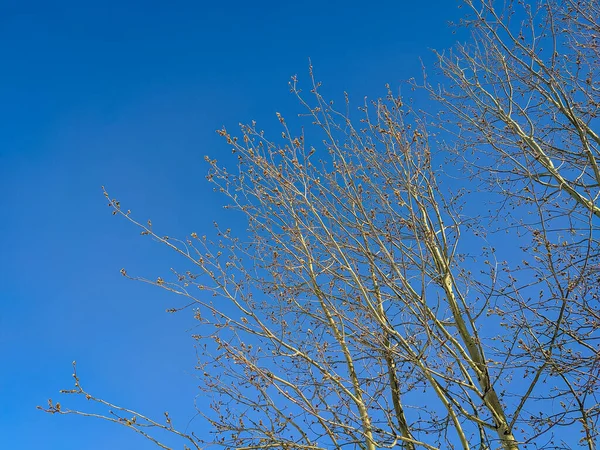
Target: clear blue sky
128, 95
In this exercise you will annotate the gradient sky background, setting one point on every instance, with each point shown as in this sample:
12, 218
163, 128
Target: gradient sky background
128, 95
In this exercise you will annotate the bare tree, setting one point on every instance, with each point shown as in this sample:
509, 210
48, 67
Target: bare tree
522, 101
368, 306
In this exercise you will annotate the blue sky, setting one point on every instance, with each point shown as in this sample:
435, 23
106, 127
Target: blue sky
128, 95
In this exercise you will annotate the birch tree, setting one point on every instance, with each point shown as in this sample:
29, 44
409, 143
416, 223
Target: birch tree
375, 301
